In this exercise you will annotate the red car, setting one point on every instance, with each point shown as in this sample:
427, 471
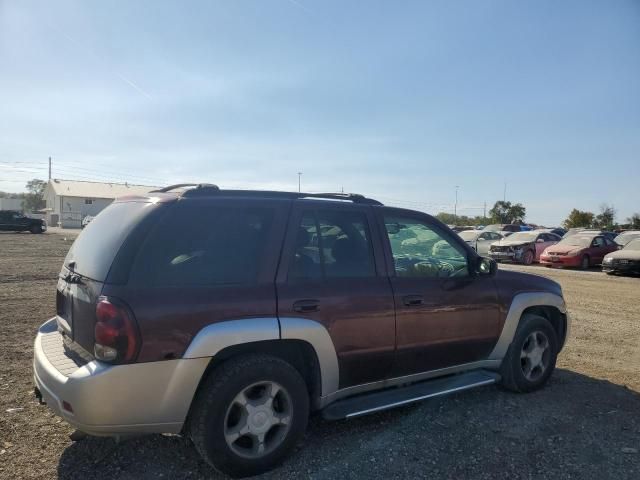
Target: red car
581, 250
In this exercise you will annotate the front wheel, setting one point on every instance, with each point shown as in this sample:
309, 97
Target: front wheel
36, 229
249, 414
585, 263
527, 258
531, 357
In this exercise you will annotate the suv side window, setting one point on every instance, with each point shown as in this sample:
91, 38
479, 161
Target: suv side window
422, 250
204, 245
598, 242
332, 244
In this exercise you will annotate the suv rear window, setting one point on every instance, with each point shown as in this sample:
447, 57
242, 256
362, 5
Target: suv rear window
96, 247
204, 245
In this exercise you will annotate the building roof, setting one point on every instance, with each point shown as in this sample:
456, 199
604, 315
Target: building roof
76, 188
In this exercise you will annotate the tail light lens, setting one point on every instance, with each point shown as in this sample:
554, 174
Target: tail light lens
116, 334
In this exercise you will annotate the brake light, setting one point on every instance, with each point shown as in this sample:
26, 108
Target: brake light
116, 334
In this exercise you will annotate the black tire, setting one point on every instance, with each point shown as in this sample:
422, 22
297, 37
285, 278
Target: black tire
585, 262
208, 417
35, 229
528, 257
513, 366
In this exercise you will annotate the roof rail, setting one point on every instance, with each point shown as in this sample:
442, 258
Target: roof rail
210, 186
202, 189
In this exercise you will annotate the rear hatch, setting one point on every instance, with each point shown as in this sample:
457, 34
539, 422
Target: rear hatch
109, 238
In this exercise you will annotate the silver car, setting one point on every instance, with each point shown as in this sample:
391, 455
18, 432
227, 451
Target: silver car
480, 240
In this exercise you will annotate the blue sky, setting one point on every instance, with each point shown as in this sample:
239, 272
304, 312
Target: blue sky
399, 100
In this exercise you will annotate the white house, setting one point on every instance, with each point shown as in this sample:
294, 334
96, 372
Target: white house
69, 201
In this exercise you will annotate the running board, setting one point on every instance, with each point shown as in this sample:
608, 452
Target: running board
397, 397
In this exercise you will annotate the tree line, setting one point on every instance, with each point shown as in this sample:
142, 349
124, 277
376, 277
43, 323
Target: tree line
507, 212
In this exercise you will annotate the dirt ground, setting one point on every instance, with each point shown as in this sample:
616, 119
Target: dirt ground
584, 424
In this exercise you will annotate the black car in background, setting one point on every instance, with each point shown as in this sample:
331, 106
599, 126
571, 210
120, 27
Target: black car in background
14, 221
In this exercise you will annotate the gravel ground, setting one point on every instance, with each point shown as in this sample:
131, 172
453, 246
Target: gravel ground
585, 424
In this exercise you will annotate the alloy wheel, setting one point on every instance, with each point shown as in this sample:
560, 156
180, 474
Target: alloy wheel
534, 356
258, 419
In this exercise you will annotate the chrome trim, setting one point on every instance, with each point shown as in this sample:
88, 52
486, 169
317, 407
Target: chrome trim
422, 397
316, 334
519, 304
416, 377
217, 336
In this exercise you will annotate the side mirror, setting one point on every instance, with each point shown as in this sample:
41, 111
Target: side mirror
487, 266
393, 228
540, 240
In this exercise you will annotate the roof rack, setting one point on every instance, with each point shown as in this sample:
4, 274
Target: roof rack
204, 189
208, 186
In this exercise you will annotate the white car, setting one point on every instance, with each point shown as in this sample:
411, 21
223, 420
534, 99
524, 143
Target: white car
480, 240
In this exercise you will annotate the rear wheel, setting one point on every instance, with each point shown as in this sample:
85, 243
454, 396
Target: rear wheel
531, 357
249, 414
35, 229
585, 263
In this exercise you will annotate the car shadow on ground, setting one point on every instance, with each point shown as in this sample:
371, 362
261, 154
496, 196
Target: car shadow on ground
576, 427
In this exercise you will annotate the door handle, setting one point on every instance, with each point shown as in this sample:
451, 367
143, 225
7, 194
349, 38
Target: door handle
306, 306
413, 300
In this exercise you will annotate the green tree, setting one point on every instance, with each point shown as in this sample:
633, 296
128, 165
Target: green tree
606, 218
506, 212
33, 199
578, 218
634, 220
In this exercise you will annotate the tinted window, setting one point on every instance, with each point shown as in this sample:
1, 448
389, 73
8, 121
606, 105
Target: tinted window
420, 250
332, 244
97, 245
204, 245
598, 242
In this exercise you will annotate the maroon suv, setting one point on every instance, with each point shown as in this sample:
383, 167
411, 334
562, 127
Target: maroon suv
229, 315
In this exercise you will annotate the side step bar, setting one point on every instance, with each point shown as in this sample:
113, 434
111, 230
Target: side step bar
396, 397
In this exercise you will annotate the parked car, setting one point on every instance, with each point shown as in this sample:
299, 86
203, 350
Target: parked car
577, 231
625, 260
557, 231
14, 221
501, 227
479, 240
522, 247
232, 330
626, 237
87, 220
580, 250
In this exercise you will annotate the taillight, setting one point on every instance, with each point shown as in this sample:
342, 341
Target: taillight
116, 335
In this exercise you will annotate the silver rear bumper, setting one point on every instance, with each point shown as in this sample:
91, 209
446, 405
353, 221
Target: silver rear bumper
112, 400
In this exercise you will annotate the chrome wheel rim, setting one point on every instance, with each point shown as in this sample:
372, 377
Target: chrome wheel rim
258, 419
534, 356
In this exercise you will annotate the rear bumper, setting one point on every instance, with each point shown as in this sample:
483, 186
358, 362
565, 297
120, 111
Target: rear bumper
114, 400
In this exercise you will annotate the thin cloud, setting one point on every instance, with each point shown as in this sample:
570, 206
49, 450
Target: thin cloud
87, 50
300, 6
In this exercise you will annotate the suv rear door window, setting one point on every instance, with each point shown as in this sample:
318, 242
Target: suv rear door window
332, 244
204, 245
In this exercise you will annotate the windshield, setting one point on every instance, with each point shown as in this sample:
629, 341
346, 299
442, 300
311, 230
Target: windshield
523, 237
468, 235
625, 238
633, 245
95, 248
576, 240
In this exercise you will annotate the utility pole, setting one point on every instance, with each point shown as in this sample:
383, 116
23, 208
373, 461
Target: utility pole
455, 207
299, 176
49, 168
484, 212
504, 197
